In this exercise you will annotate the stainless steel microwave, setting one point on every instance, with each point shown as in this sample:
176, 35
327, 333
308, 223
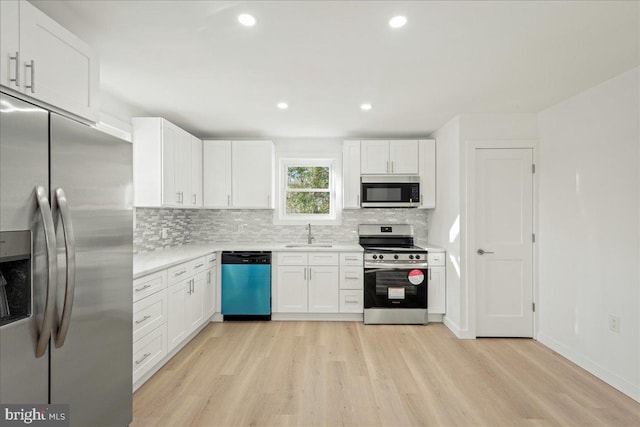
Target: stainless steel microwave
390, 191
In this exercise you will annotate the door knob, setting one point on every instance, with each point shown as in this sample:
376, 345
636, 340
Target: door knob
482, 252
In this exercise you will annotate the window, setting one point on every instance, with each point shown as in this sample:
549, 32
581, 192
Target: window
307, 191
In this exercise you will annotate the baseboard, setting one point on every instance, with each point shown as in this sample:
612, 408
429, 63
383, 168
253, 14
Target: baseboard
614, 380
326, 317
453, 327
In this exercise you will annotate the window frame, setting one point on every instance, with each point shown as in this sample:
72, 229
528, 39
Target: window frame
334, 215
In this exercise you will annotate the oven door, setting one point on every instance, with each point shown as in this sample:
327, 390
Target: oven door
378, 193
390, 287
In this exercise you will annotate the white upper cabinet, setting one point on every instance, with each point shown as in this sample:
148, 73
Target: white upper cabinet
167, 165
46, 62
196, 172
427, 160
252, 174
238, 174
216, 172
351, 174
398, 157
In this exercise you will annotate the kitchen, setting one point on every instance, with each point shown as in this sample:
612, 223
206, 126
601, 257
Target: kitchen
236, 126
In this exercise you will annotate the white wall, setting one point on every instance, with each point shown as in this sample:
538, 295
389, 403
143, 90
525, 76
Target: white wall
589, 232
445, 219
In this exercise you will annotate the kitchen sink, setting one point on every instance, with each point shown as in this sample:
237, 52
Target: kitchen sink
309, 245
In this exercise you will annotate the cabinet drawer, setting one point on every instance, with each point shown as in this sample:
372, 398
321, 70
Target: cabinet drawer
149, 313
435, 259
186, 269
351, 277
211, 260
324, 258
149, 351
148, 285
292, 258
351, 258
351, 301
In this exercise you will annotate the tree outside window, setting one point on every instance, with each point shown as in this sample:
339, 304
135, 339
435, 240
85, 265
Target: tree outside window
308, 190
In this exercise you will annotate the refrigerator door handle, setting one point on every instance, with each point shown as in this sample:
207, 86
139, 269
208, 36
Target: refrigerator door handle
70, 274
49, 239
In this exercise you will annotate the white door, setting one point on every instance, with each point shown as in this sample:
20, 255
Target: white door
503, 204
427, 167
210, 294
324, 292
351, 174
196, 172
436, 290
177, 314
183, 166
251, 171
195, 301
292, 289
216, 173
374, 157
403, 155
170, 194
56, 66
10, 45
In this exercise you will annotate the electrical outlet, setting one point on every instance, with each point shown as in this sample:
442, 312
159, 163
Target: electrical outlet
614, 323
164, 233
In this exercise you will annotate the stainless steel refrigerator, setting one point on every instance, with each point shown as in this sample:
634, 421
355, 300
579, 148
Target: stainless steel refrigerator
66, 240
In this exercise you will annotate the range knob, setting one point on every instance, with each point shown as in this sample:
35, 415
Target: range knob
381, 257
410, 256
395, 256
417, 256
375, 257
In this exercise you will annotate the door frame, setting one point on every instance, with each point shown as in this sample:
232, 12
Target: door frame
469, 244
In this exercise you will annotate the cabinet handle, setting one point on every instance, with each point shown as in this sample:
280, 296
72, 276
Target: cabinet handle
16, 58
139, 361
351, 300
199, 265
421, 199
391, 166
193, 285
309, 273
143, 288
144, 319
179, 273
228, 199
430, 274
208, 278
350, 277
195, 199
351, 258
32, 65
178, 197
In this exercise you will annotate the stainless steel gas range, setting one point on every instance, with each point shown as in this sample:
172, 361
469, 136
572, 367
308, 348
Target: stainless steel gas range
395, 275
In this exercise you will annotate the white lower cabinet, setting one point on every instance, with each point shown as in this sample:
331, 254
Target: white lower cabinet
169, 306
313, 282
323, 289
436, 294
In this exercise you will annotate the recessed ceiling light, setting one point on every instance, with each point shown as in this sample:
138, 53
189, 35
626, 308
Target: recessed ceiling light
247, 20
366, 107
283, 105
397, 21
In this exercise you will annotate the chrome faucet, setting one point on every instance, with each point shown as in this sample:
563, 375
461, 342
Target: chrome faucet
309, 237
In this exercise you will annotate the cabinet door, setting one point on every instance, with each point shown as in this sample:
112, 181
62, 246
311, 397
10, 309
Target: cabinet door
436, 291
177, 313
323, 290
58, 68
427, 174
183, 166
351, 174
10, 44
196, 301
374, 157
195, 198
251, 170
216, 171
170, 193
292, 289
210, 294
403, 155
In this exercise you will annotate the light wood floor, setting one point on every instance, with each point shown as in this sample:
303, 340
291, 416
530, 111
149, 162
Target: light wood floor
346, 373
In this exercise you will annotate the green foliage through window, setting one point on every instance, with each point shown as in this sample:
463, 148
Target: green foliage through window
308, 190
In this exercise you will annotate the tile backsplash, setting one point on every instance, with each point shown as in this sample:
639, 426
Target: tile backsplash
256, 226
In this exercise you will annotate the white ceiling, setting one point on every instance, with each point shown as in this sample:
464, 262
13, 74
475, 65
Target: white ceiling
191, 62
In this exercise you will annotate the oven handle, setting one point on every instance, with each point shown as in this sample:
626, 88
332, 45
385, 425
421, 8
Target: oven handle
369, 269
